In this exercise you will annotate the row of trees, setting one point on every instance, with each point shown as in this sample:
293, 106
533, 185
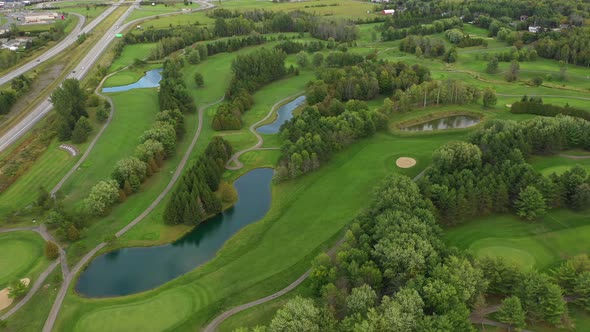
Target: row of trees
156, 144
19, 86
69, 101
391, 33
533, 107
490, 174
250, 72
194, 198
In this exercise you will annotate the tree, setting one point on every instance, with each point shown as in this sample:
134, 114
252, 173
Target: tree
511, 312
102, 114
17, 289
72, 234
360, 300
302, 59
81, 130
537, 81
130, 170
582, 290
530, 203
513, 71
581, 198
102, 196
457, 155
489, 97
199, 80
228, 193
69, 100
317, 59
451, 55
194, 57
492, 66
298, 315
51, 250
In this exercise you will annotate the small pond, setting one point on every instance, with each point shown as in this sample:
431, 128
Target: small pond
285, 113
132, 270
151, 79
449, 122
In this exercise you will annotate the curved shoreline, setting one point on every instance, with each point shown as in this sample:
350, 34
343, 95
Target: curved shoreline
235, 159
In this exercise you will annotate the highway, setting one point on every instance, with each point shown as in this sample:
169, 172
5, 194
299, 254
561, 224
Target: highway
79, 72
62, 45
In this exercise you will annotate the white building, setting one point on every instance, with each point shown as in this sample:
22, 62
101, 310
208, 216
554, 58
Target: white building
534, 29
40, 17
388, 12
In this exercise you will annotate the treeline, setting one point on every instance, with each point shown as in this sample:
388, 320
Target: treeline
250, 72
422, 46
571, 46
156, 144
194, 198
18, 87
537, 107
434, 93
173, 92
392, 273
363, 80
490, 174
391, 33
514, 54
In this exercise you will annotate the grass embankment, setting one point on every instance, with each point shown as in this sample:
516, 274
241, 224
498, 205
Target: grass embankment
144, 11
130, 75
21, 256
130, 53
89, 11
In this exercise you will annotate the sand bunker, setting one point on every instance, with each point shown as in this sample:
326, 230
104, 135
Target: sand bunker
6, 301
405, 162
508, 105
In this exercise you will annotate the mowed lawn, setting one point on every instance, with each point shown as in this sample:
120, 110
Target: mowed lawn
542, 244
135, 111
558, 164
46, 171
129, 54
306, 215
21, 256
129, 75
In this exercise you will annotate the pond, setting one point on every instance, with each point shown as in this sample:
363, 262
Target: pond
151, 79
132, 270
285, 113
449, 122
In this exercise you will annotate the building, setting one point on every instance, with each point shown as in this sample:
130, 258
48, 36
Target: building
388, 12
40, 17
535, 29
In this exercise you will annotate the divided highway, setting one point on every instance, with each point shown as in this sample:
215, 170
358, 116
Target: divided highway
62, 45
81, 70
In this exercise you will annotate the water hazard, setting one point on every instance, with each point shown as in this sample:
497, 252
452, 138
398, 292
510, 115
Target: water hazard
151, 79
132, 270
449, 122
285, 113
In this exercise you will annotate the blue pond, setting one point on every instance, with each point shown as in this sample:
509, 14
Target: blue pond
151, 79
285, 113
133, 270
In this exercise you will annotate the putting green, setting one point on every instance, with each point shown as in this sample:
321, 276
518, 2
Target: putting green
160, 313
19, 253
516, 256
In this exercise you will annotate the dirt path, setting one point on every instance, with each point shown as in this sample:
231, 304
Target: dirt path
235, 159
50, 322
569, 156
41, 279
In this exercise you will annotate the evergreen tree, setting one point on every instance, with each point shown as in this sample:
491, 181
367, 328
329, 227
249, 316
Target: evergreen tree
530, 204
511, 313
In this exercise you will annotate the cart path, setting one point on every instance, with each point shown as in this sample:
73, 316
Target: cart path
235, 159
41, 230
50, 322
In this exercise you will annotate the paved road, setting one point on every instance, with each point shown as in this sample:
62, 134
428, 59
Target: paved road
41, 279
81, 70
235, 159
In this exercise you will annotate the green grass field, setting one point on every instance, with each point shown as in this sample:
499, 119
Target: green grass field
21, 256
145, 11
129, 75
542, 244
129, 54
557, 164
134, 113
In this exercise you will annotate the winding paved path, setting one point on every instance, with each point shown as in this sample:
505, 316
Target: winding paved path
212, 327
569, 156
235, 159
41, 279
50, 322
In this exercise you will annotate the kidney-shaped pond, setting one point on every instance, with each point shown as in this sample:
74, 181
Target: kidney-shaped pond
151, 79
132, 270
449, 122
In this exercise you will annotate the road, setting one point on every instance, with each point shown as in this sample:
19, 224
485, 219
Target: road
62, 45
80, 71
